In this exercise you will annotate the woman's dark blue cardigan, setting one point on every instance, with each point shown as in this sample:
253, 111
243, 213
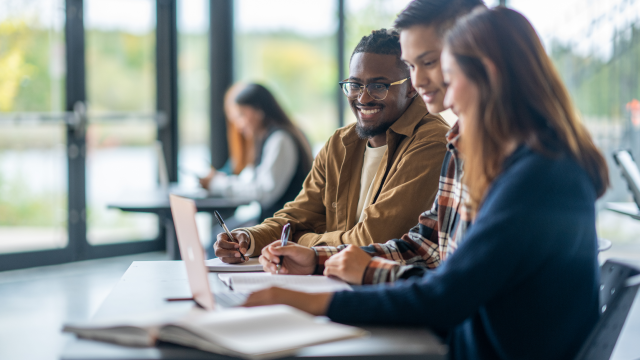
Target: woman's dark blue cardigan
524, 282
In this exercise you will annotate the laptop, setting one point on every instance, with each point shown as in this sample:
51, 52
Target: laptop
173, 187
184, 220
630, 172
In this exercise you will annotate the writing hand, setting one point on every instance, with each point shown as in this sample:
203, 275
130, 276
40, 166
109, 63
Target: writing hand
227, 250
298, 259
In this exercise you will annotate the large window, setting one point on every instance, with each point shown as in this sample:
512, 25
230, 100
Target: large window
193, 106
121, 96
595, 46
193, 75
362, 17
290, 47
33, 167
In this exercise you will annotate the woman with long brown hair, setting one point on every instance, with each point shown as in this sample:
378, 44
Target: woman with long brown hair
274, 155
523, 282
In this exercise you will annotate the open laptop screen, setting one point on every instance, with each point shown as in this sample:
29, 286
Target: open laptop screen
184, 219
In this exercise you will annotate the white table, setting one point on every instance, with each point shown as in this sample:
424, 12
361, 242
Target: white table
146, 284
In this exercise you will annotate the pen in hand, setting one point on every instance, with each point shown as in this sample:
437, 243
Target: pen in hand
284, 238
221, 222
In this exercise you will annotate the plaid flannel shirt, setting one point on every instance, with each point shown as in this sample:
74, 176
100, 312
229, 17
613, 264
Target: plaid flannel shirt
436, 235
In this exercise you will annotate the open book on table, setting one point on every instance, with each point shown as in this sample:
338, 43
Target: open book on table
264, 332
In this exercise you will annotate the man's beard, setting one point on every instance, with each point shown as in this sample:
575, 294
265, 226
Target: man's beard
371, 131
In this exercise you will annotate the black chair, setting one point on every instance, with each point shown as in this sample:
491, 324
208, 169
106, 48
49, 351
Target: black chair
629, 171
616, 298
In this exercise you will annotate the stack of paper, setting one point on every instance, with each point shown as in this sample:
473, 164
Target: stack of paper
218, 266
248, 283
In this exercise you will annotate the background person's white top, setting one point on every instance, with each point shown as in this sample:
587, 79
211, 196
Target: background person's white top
372, 158
267, 182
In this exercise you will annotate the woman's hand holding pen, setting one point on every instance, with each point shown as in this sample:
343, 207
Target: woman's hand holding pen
298, 259
229, 251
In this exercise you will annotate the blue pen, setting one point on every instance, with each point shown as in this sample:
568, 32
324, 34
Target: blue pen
284, 238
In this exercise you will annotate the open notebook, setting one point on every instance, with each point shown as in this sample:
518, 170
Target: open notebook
252, 333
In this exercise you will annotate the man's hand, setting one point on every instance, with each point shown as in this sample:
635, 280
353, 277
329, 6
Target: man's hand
348, 265
314, 304
298, 259
227, 250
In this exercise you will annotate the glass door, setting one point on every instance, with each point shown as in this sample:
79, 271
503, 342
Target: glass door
60, 165
122, 162
33, 164
194, 157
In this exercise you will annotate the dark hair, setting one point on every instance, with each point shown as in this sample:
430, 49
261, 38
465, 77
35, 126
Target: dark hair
383, 42
260, 98
521, 97
440, 13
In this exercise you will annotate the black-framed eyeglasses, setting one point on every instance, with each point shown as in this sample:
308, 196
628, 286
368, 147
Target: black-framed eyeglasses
377, 91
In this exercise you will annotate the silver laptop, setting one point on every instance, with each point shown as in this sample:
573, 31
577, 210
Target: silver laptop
184, 220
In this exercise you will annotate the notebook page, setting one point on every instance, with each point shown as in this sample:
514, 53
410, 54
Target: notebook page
265, 331
131, 330
217, 265
248, 283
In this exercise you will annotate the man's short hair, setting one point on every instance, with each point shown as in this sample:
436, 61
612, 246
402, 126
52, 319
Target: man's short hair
440, 13
383, 42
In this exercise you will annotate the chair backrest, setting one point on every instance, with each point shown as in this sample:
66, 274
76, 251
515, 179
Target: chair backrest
630, 172
616, 299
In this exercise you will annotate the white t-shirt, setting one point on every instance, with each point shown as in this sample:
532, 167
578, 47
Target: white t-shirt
372, 158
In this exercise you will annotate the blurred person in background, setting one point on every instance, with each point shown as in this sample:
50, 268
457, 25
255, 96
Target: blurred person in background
270, 156
240, 148
524, 283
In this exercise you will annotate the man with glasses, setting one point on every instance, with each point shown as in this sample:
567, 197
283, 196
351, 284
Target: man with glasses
372, 178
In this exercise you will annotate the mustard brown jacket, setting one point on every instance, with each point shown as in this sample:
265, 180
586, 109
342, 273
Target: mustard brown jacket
324, 213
